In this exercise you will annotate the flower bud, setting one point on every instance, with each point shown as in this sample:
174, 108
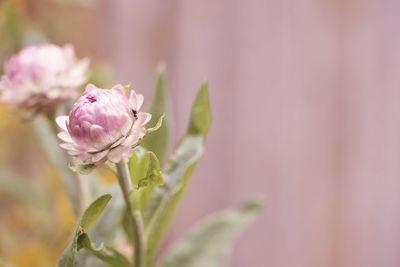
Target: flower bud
103, 124
40, 76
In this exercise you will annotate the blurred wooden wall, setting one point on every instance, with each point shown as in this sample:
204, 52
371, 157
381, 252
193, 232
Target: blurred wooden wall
306, 104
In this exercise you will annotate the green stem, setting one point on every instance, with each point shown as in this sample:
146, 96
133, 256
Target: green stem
134, 215
72, 182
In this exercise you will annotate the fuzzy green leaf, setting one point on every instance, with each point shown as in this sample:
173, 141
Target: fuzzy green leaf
153, 175
104, 253
164, 201
157, 126
93, 212
146, 174
68, 259
83, 169
200, 119
209, 242
106, 229
89, 218
158, 141
136, 165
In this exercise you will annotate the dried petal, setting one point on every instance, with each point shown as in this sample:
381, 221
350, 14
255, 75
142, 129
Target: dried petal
102, 125
41, 76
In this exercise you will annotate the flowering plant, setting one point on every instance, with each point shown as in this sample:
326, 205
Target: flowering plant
103, 124
125, 224
41, 76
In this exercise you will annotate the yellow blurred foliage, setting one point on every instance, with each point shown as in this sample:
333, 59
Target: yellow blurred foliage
33, 232
35, 228
33, 254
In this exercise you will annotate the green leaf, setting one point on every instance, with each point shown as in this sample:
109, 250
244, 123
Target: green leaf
158, 141
105, 229
68, 259
157, 126
164, 201
89, 218
83, 168
153, 175
93, 212
209, 243
126, 224
136, 167
146, 174
106, 254
200, 119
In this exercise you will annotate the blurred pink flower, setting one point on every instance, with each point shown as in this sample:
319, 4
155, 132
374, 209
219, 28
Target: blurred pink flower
42, 75
103, 124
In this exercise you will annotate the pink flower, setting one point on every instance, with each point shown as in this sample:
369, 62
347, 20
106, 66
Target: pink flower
40, 76
103, 124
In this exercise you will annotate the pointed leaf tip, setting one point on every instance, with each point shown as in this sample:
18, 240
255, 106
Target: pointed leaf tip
200, 118
88, 220
163, 203
157, 125
161, 69
251, 206
93, 212
158, 142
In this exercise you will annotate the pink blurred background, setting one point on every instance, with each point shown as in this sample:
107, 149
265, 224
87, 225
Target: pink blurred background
305, 98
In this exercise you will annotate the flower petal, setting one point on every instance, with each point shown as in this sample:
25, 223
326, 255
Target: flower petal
118, 142
132, 139
65, 137
98, 156
73, 152
126, 152
89, 87
70, 148
135, 100
143, 118
115, 155
97, 133
62, 122
139, 101
118, 88
82, 158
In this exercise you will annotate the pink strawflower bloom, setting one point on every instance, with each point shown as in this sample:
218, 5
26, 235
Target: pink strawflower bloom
40, 76
103, 124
